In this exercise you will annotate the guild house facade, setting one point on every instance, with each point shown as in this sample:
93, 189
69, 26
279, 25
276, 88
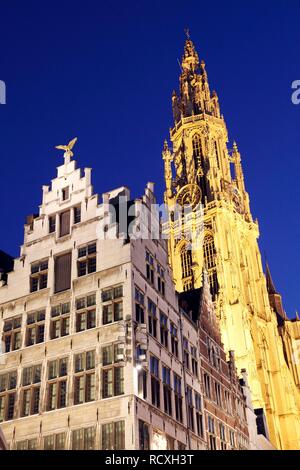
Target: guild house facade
98, 350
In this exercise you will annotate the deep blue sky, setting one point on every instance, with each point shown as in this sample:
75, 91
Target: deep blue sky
104, 71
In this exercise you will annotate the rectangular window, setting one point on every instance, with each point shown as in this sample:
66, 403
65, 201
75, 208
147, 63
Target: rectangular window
207, 385
164, 332
87, 259
39, 276
112, 371
189, 398
218, 394
113, 436
199, 417
194, 360
161, 280
57, 384
178, 397
52, 223
12, 334
65, 193
64, 218
144, 436
167, 390
139, 306
62, 272
60, 320
85, 377
149, 267
35, 328
142, 383
29, 444
30, 393
84, 439
186, 354
155, 383
86, 313
8, 385
55, 442
152, 320
77, 215
174, 339
211, 433
112, 305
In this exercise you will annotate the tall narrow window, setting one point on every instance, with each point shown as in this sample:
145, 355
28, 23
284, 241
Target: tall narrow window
52, 223
112, 304
166, 374
87, 259
189, 397
144, 435
209, 253
197, 150
39, 276
84, 381
77, 215
152, 320
65, 193
174, 339
8, 385
186, 263
217, 153
63, 265
35, 328
178, 397
155, 383
31, 384
86, 313
57, 384
64, 223
139, 306
113, 371
60, 320
12, 334
149, 267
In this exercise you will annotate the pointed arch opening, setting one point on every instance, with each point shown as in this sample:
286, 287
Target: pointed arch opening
186, 267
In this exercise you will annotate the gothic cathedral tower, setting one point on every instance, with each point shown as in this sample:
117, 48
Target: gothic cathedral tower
207, 171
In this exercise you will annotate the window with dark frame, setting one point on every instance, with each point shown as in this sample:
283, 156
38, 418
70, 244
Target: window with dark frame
57, 384
86, 313
65, 193
178, 397
167, 390
8, 386
139, 306
55, 441
77, 214
149, 267
155, 382
174, 339
199, 414
60, 320
12, 334
113, 436
152, 320
189, 398
52, 223
87, 259
161, 280
39, 276
30, 392
144, 439
35, 328
84, 438
186, 353
84, 377
164, 331
112, 305
112, 370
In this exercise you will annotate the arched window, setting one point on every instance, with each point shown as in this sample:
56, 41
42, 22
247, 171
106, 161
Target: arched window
186, 263
210, 264
197, 150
